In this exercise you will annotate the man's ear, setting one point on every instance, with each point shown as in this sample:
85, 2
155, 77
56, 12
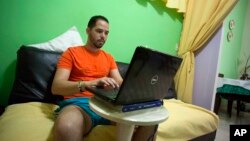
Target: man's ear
88, 30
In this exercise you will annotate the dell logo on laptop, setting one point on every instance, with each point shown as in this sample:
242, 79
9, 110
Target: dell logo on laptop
154, 79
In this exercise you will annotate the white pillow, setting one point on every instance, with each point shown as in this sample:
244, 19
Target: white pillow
59, 44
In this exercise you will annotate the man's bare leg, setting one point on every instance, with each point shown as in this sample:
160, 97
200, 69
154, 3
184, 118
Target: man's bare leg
71, 124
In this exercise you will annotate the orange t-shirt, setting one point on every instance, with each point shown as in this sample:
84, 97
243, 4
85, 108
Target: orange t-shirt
85, 65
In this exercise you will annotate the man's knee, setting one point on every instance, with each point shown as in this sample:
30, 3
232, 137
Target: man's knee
65, 124
72, 119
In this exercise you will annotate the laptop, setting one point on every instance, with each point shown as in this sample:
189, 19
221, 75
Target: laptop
148, 78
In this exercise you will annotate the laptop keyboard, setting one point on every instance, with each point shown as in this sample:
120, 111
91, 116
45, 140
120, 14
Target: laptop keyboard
111, 93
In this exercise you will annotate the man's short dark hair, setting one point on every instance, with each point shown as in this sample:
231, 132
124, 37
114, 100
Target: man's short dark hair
94, 19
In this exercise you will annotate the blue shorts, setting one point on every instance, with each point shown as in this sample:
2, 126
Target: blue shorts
83, 103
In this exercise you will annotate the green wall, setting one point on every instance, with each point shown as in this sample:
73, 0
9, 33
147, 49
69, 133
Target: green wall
132, 23
231, 49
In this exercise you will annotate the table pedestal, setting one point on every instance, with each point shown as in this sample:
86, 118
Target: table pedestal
124, 132
126, 121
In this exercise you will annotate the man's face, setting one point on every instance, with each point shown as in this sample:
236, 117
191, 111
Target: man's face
99, 33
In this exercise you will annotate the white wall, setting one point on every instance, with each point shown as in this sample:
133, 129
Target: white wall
206, 72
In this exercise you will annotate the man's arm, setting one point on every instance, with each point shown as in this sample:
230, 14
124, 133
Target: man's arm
62, 86
115, 74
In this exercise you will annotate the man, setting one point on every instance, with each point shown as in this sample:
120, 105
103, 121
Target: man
84, 66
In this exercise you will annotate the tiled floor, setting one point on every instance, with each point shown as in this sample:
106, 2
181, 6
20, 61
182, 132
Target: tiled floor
223, 129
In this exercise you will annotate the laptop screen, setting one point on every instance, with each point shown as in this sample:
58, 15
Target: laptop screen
149, 76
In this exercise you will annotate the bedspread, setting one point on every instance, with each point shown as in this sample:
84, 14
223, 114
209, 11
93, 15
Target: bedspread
34, 121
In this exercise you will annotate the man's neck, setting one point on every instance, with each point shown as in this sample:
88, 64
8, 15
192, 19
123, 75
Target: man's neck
91, 48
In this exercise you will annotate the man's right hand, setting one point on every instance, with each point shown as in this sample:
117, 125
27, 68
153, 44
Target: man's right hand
107, 82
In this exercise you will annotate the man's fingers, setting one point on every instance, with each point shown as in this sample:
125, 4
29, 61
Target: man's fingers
111, 82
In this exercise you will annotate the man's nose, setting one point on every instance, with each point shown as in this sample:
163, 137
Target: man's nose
103, 35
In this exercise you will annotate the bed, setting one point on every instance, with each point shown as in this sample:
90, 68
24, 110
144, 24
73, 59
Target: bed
30, 113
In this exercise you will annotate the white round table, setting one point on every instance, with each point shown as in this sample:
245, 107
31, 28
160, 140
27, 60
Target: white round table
126, 121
